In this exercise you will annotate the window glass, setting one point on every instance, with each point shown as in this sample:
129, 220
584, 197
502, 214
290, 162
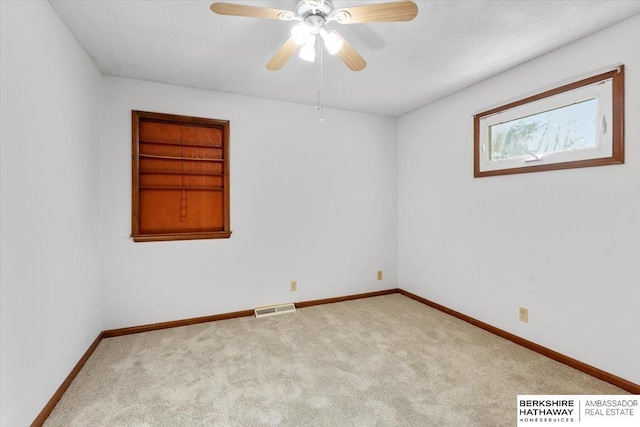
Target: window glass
568, 128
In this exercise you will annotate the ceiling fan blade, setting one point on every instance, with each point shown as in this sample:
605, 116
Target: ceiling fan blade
222, 8
282, 56
382, 12
350, 57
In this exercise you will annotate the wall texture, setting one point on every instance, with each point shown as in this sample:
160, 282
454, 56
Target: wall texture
310, 201
564, 244
50, 276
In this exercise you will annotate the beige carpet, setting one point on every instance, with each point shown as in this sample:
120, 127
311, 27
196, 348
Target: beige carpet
378, 361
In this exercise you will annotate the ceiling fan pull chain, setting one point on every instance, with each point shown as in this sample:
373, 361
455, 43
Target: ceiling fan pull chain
320, 56
319, 107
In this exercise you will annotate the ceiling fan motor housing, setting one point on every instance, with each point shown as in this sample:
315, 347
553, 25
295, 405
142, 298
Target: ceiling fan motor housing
316, 22
308, 8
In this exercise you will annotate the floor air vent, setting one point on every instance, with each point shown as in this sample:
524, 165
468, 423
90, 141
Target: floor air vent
272, 310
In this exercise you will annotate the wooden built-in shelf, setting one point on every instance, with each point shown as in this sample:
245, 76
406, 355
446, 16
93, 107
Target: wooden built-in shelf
160, 187
177, 144
159, 172
180, 178
190, 159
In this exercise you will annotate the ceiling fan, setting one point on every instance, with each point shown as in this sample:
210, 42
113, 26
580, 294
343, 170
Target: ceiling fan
312, 17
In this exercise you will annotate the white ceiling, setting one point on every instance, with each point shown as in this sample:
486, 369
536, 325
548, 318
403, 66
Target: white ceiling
448, 46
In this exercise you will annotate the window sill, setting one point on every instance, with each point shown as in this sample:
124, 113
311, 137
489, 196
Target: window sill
550, 167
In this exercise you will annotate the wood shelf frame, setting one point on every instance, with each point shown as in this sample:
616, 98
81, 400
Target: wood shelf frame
168, 187
182, 196
184, 159
174, 144
160, 172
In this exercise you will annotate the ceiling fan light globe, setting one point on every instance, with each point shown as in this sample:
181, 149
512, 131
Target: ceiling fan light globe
334, 47
332, 41
308, 52
301, 34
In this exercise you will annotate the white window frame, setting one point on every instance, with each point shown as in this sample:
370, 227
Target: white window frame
608, 91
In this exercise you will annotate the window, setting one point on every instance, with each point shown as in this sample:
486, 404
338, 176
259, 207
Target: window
577, 125
180, 177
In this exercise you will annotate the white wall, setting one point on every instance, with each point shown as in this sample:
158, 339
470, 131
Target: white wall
50, 279
564, 244
313, 202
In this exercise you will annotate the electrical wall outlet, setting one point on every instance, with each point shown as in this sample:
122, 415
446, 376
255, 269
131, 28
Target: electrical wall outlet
294, 285
379, 274
524, 315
